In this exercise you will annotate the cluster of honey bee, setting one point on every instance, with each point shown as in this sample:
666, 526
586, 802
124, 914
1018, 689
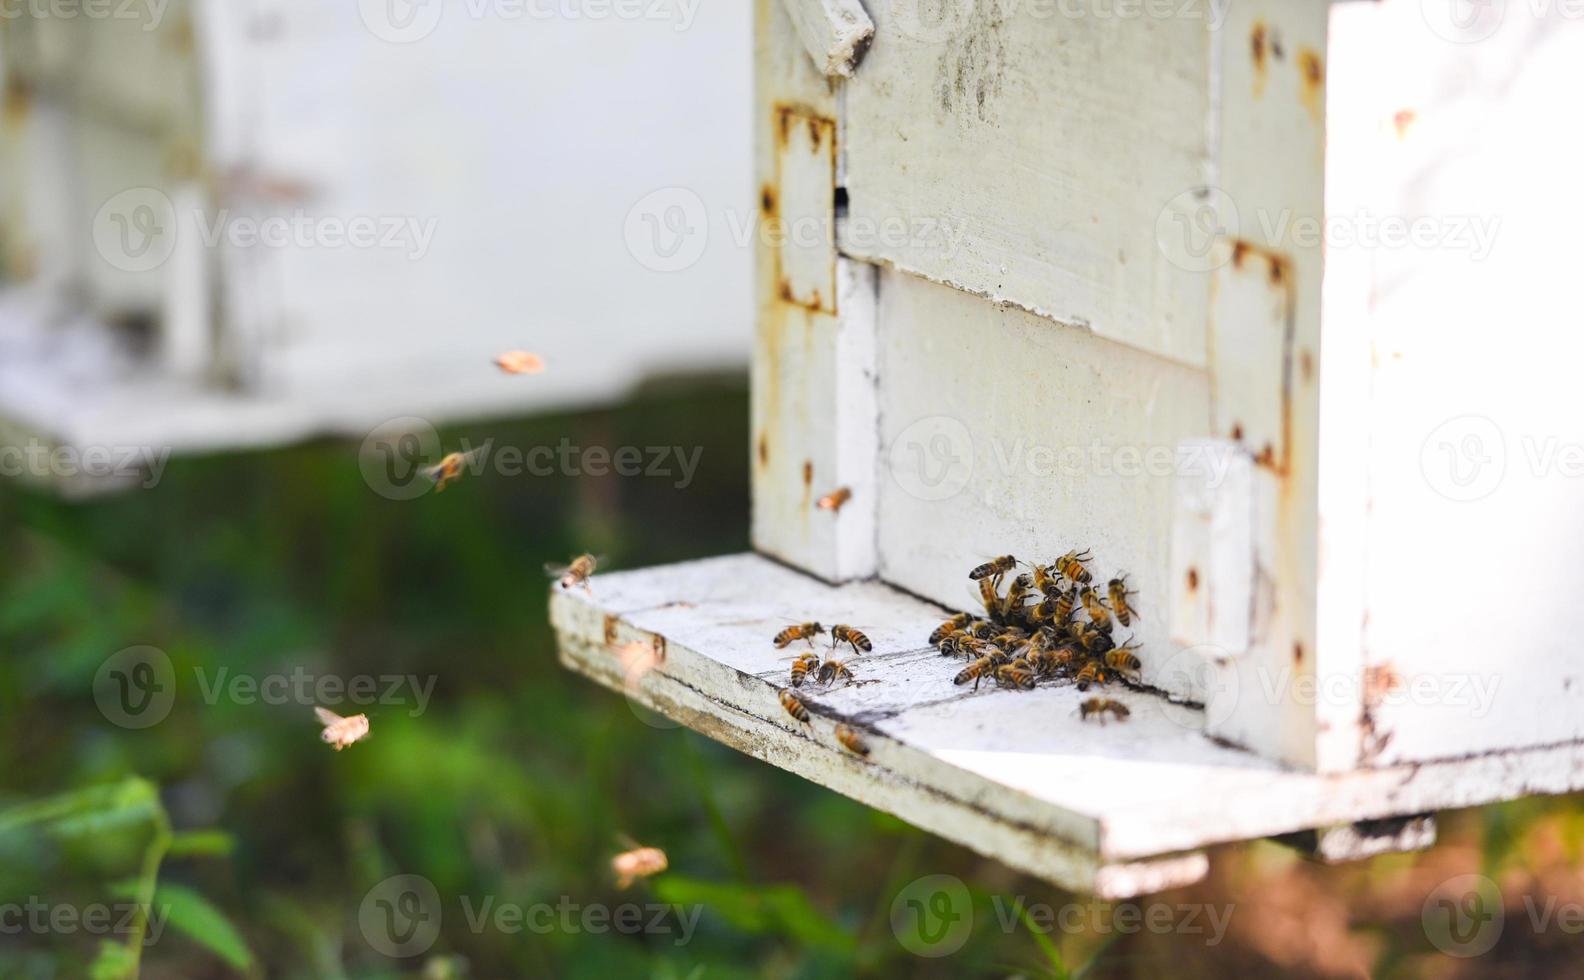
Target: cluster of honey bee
1049, 622
826, 671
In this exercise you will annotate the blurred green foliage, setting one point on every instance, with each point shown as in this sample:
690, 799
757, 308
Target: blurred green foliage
518, 781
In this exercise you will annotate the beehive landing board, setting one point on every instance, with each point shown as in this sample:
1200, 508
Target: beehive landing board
1115, 809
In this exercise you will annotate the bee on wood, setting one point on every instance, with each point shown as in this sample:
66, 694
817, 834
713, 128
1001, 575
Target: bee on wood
1095, 640
341, 732
983, 629
952, 625
851, 740
1012, 605
1100, 707
1047, 581
994, 568
975, 672
834, 500
1049, 659
1064, 608
795, 707
1071, 566
955, 644
520, 362
1093, 673
1119, 601
802, 631
834, 670
846, 634
802, 666
450, 469
575, 574
1016, 675
1122, 659
1010, 638
1095, 607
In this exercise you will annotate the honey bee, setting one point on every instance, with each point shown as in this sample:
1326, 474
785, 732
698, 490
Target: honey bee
520, 362
954, 644
1119, 601
575, 574
795, 707
1122, 659
952, 625
1016, 675
846, 634
1047, 581
851, 740
1095, 607
1093, 673
1071, 566
1048, 659
983, 629
998, 657
341, 732
1012, 605
802, 631
1094, 639
989, 597
450, 469
994, 568
834, 670
1010, 640
834, 500
975, 672
1099, 707
640, 862
802, 666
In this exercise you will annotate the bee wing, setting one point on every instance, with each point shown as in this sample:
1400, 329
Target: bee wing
326, 716
556, 570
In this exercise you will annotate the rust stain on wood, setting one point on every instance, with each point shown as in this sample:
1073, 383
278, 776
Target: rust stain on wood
1312, 91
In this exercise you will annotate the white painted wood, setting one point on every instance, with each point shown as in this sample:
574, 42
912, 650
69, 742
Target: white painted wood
1461, 568
1035, 159
836, 33
542, 223
1004, 433
1212, 556
813, 400
1357, 841
995, 770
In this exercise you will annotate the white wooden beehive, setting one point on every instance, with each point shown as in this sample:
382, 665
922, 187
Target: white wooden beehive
218, 115
1091, 285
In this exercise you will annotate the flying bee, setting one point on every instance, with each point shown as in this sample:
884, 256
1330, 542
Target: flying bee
575, 574
1012, 605
833, 670
975, 672
994, 568
851, 740
846, 634
640, 862
952, 625
1119, 601
1093, 673
341, 732
1071, 566
1099, 707
802, 666
834, 500
1095, 607
795, 707
802, 631
450, 469
520, 362
1016, 675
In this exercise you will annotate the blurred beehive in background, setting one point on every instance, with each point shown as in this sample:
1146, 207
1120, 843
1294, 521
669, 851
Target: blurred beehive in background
143, 153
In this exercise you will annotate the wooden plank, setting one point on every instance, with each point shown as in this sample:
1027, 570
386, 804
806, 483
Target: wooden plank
1004, 433
1463, 391
813, 402
1033, 158
996, 770
836, 33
